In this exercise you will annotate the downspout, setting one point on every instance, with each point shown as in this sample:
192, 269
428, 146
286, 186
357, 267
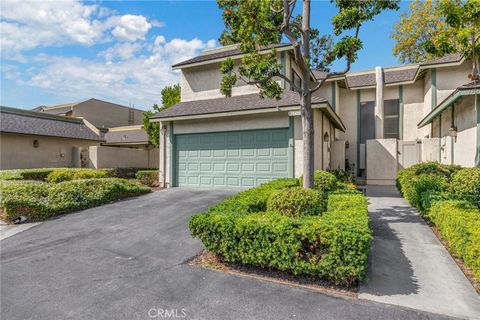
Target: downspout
379, 103
163, 131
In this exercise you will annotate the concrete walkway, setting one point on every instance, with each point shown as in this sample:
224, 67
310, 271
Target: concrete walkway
408, 264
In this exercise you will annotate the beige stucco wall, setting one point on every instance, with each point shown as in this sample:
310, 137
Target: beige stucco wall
449, 78
347, 110
114, 157
17, 151
106, 115
249, 122
382, 161
413, 111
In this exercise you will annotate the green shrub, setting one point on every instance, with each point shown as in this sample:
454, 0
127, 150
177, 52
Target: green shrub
343, 175
67, 174
323, 181
127, 173
148, 177
346, 188
26, 174
459, 223
41, 200
296, 202
405, 176
467, 181
333, 246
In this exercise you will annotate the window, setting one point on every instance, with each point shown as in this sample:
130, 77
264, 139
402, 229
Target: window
367, 121
296, 80
391, 115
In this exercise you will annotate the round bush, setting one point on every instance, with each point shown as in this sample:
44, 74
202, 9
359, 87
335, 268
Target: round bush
466, 181
296, 202
323, 181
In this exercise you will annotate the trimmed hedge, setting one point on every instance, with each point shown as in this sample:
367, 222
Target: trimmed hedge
26, 174
323, 181
296, 202
41, 200
459, 223
467, 181
148, 177
333, 246
67, 174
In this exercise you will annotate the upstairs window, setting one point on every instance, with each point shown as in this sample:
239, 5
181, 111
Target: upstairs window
296, 80
391, 114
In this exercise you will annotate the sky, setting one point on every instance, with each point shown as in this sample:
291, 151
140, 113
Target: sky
61, 51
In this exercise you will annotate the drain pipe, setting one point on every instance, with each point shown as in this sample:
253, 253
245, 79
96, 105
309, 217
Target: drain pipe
379, 103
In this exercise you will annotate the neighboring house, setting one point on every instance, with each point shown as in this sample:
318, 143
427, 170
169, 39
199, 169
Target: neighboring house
101, 114
372, 123
121, 128
31, 139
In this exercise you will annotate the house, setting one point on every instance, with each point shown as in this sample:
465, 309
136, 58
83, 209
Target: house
101, 114
30, 139
373, 123
126, 143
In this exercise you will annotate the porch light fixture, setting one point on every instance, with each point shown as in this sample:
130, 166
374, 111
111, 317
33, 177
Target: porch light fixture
325, 137
36, 144
163, 130
452, 132
347, 144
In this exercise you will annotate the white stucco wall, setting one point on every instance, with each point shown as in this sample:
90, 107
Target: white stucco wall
413, 111
115, 157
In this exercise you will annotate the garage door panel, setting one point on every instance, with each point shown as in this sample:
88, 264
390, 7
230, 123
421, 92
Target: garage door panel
233, 159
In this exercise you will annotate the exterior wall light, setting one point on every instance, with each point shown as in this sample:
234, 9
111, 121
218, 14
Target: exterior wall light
452, 132
163, 130
36, 143
325, 137
347, 144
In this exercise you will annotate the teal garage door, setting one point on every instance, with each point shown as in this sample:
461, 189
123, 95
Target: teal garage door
232, 159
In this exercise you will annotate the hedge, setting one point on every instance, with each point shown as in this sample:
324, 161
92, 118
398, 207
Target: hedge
148, 177
296, 202
333, 246
459, 223
41, 200
25, 174
67, 174
323, 181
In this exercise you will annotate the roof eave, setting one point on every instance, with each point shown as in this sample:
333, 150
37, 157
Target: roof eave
457, 94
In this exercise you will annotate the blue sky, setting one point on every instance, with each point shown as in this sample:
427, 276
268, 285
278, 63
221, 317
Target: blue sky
55, 52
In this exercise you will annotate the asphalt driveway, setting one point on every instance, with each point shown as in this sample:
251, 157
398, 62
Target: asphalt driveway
126, 261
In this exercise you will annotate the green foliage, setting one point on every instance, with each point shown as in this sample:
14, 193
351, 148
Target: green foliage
323, 181
296, 202
41, 200
434, 28
343, 175
459, 223
67, 174
148, 177
467, 181
26, 174
333, 246
170, 97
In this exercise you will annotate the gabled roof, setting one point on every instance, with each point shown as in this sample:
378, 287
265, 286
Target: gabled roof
221, 54
127, 135
21, 121
449, 58
65, 107
472, 88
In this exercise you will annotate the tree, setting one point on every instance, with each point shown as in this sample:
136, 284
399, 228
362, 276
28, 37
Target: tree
170, 96
419, 32
434, 28
251, 23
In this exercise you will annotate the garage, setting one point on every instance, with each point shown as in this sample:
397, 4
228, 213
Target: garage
232, 159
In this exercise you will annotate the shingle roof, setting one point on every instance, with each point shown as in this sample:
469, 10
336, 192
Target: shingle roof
361, 80
449, 58
14, 120
223, 54
389, 77
126, 135
236, 103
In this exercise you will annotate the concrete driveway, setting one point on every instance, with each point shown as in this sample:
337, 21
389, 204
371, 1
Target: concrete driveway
126, 261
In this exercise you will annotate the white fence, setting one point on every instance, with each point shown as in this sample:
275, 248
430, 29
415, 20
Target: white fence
114, 157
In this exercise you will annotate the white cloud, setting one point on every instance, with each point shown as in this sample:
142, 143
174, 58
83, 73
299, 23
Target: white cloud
131, 28
26, 25
124, 76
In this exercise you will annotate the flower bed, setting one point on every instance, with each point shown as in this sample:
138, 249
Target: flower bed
291, 230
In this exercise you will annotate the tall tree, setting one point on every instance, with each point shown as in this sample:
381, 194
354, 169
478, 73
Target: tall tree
250, 22
170, 96
433, 28
419, 31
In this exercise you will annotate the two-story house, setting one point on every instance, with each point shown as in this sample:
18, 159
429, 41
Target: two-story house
372, 123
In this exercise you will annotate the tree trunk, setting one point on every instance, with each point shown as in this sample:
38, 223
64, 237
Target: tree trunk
306, 102
308, 145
